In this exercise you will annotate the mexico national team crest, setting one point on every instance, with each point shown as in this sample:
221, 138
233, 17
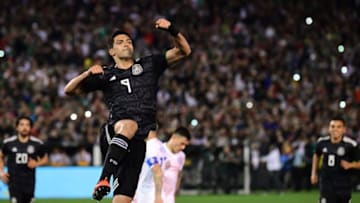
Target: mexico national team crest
340, 151
30, 149
137, 69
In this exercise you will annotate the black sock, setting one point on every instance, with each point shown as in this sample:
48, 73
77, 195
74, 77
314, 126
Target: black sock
117, 150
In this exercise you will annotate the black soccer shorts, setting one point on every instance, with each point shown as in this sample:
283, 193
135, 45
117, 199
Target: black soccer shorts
335, 197
127, 177
334, 192
145, 122
18, 196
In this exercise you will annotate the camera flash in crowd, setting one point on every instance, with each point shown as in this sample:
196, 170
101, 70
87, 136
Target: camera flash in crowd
88, 114
296, 77
308, 20
194, 122
341, 48
73, 116
2, 53
342, 104
344, 70
249, 105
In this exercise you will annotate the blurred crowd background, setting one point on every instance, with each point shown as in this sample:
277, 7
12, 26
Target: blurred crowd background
271, 73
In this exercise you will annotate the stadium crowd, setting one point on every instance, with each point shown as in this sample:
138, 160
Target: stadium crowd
271, 72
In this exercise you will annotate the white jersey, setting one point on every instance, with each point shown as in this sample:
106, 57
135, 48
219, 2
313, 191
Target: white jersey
155, 154
173, 165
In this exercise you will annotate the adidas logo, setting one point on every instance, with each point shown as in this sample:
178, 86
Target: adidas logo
112, 78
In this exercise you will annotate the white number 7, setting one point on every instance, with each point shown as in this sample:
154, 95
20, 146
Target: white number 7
126, 82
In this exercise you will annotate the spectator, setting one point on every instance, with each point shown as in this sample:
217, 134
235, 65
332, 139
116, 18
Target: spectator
82, 157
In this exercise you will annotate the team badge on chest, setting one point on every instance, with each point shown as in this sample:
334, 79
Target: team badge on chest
30, 149
340, 151
137, 69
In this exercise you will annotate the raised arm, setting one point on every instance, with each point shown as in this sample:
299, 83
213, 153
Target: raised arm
73, 87
181, 48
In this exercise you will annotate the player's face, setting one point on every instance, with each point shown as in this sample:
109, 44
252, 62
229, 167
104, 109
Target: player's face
336, 130
24, 127
122, 47
180, 144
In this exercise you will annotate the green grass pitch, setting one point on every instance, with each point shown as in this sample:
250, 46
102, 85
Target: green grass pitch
287, 197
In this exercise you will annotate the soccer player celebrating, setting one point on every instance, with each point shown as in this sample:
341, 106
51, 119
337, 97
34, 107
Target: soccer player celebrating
129, 87
161, 172
338, 154
24, 153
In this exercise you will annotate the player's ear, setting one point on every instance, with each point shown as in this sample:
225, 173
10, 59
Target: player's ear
111, 52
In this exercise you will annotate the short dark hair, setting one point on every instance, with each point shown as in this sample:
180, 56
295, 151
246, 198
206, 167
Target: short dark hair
339, 118
24, 117
184, 132
116, 33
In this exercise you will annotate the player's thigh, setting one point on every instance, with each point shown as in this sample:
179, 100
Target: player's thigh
126, 180
126, 127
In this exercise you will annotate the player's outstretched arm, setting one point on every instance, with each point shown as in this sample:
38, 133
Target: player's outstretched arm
182, 47
73, 87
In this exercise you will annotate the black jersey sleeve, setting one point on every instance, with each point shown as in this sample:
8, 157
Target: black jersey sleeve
93, 83
4, 148
355, 153
318, 148
160, 63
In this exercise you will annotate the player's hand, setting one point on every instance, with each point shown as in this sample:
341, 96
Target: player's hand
314, 179
345, 164
4, 177
32, 163
95, 69
162, 24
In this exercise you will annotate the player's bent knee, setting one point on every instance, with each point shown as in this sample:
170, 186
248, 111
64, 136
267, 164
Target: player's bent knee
127, 128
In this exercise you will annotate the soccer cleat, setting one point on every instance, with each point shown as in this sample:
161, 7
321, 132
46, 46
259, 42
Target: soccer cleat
102, 188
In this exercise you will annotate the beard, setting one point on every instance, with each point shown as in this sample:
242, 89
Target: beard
24, 133
126, 54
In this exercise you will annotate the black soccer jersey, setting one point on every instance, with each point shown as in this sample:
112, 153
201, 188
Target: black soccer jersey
332, 154
131, 93
18, 153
